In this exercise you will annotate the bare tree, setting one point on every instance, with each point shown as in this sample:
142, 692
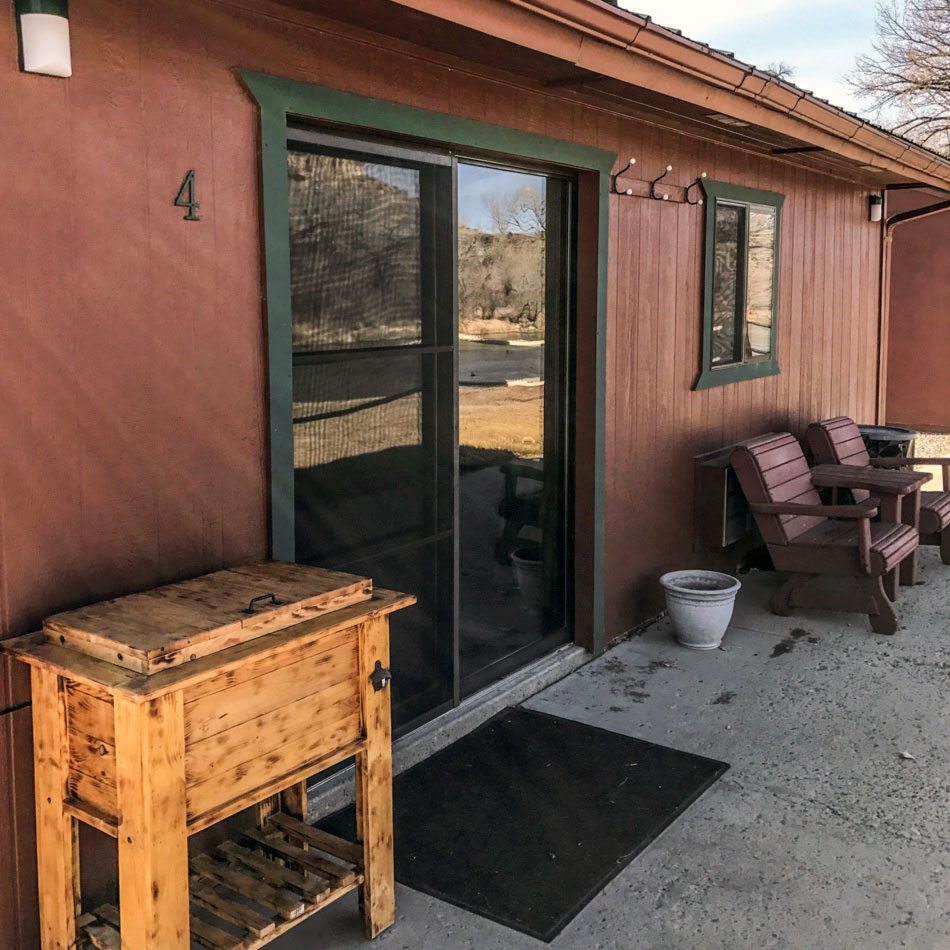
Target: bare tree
529, 210
780, 69
500, 211
517, 212
906, 80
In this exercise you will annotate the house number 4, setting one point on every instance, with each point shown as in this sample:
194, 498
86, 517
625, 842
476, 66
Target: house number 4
188, 197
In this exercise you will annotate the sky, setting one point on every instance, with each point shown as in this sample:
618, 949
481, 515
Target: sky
478, 183
819, 38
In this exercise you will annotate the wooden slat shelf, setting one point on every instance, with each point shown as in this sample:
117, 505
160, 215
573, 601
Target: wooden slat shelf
254, 888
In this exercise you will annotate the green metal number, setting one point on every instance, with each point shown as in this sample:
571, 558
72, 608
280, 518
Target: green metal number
188, 197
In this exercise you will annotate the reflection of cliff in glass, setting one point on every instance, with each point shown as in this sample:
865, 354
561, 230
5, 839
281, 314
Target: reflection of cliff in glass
355, 235
743, 274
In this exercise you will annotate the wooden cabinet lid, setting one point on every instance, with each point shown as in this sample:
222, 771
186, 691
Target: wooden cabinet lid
180, 622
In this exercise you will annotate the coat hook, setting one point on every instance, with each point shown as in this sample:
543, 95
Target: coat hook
613, 179
693, 184
665, 196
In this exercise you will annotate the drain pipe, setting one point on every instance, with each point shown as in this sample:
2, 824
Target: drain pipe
887, 234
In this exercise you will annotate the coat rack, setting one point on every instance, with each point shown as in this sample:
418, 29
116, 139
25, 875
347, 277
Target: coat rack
649, 189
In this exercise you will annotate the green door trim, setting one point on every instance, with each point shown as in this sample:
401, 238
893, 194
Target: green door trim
279, 99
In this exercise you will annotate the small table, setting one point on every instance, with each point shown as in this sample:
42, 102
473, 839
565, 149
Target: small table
899, 494
159, 714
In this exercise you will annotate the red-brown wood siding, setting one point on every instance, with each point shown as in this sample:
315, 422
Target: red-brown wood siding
19, 923
134, 416
138, 415
918, 339
137, 419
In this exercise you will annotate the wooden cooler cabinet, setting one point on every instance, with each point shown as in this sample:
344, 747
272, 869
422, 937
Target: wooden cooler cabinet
159, 714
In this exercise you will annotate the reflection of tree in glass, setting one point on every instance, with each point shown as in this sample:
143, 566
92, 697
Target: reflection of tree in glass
355, 254
501, 272
728, 235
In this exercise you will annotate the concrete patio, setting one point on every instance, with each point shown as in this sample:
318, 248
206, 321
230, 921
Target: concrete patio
824, 832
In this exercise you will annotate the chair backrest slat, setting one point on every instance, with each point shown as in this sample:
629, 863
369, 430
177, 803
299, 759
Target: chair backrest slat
838, 441
773, 468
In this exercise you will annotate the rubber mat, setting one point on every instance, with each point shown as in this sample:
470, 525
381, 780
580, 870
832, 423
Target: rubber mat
526, 819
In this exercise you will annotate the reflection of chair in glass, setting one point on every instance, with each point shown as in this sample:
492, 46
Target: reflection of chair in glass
519, 509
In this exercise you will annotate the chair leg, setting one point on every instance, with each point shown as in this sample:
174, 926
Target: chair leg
882, 615
945, 545
781, 602
890, 584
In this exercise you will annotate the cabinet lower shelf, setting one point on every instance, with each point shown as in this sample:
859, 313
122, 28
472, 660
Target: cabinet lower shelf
254, 888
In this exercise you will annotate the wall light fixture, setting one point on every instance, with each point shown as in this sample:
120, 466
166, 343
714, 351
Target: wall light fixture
43, 27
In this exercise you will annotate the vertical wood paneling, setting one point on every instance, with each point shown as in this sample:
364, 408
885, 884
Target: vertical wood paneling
19, 920
918, 344
827, 333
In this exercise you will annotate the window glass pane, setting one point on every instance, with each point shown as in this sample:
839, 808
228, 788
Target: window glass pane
355, 252
420, 639
510, 551
363, 466
727, 284
760, 297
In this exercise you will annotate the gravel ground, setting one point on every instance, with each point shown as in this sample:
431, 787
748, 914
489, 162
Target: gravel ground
932, 445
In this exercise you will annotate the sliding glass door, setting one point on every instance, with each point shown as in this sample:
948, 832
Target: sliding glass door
429, 391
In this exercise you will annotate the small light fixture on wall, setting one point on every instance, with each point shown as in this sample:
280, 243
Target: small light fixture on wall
875, 208
43, 27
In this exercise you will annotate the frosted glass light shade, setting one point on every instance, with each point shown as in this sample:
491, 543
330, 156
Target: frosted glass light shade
45, 39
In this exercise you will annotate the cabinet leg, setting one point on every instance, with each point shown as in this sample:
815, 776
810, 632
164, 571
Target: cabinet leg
153, 843
57, 851
374, 797
293, 801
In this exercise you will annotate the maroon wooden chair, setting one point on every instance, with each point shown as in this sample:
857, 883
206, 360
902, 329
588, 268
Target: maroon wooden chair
838, 441
810, 539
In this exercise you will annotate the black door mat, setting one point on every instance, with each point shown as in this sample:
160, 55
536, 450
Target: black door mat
526, 819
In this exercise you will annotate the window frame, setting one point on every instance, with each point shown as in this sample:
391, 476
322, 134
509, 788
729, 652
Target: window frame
747, 369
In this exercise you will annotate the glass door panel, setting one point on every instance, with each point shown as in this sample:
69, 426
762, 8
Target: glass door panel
430, 315
372, 440
511, 391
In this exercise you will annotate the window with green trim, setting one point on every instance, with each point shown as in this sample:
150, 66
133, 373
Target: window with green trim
740, 297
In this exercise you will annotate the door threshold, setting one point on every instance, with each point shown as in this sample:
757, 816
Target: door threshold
336, 791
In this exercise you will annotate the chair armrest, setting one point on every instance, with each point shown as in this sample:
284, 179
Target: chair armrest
900, 462
866, 509
944, 464
862, 513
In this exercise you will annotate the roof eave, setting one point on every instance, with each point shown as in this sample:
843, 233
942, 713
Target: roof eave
616, 43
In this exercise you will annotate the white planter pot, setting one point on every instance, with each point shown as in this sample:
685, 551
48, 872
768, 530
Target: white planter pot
529, 573
700, 606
